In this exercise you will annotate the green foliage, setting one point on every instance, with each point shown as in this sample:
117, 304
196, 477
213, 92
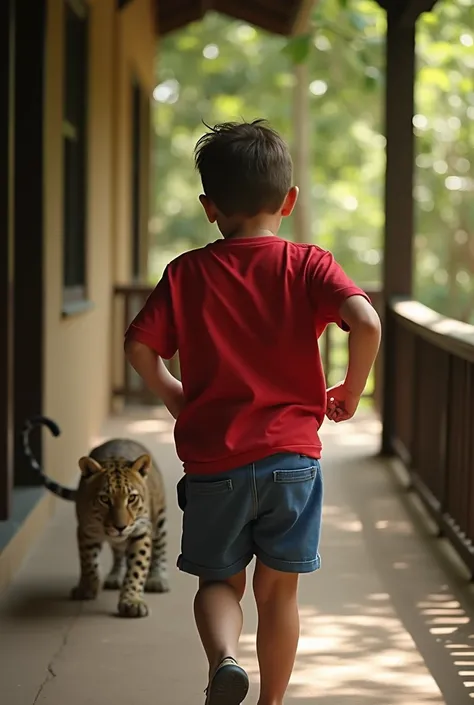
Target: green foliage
219, 69
444, 128
298, 47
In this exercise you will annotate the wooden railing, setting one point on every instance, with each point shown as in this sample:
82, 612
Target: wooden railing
127, 386
430, 382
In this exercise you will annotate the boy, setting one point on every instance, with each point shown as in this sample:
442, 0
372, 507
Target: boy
245, 314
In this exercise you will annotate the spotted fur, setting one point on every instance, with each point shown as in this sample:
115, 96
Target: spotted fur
120, 500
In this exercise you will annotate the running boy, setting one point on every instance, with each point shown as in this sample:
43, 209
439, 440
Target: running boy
245, 313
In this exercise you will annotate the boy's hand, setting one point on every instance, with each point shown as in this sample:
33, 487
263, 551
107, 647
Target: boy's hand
174, 402
341, 404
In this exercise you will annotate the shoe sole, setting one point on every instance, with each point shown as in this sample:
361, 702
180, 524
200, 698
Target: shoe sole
229, 686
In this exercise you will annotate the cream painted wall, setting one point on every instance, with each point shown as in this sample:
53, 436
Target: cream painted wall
78, 348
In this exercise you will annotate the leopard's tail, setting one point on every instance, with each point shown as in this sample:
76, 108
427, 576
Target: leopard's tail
51, 485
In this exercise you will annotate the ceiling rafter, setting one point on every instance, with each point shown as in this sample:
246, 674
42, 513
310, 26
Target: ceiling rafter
277, 16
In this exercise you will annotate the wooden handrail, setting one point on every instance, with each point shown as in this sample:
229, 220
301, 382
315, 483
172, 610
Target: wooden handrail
132, 289
453, 336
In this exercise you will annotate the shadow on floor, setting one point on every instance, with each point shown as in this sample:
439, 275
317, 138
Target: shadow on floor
387, 621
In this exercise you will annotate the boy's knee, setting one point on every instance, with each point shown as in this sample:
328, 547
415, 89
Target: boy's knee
269, 584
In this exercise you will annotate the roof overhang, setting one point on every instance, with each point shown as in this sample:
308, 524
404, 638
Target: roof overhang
283, 17
407, 11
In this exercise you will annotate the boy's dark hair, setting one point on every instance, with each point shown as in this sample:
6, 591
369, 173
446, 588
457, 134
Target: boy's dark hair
245, 168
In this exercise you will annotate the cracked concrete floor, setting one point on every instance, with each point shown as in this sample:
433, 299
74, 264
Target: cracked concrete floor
387, 621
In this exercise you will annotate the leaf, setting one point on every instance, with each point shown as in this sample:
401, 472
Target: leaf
370, 82
297, 48
358, 21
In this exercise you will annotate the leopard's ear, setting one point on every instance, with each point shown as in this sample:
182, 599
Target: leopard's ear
142, 465
89, 467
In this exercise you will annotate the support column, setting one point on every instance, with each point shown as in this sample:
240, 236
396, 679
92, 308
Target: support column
28, 205
7, 35
399, 207
302, 135
301, 156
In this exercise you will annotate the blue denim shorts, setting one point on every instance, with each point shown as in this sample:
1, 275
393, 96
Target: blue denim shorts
270, 509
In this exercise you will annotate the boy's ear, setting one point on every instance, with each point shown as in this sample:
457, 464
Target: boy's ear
209, 208
290, 201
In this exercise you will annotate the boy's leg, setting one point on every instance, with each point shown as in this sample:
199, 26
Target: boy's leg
278, 630
286, 540
217, 547
219, 617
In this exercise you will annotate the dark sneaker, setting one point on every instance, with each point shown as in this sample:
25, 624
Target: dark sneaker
229, 685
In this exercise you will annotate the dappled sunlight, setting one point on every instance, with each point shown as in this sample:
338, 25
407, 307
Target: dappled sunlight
358, 655
144, 424
451, 626
340, 518
379, 626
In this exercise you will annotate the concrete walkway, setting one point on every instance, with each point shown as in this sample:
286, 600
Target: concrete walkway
387, 621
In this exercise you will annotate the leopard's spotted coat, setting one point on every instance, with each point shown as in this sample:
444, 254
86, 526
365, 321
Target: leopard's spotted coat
120, 500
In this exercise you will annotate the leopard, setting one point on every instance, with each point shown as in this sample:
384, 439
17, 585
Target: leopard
120, 500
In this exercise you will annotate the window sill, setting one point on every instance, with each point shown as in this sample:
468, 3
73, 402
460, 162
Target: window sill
76, 308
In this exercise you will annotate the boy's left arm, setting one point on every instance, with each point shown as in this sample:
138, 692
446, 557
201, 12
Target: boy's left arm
337, 299
150, 338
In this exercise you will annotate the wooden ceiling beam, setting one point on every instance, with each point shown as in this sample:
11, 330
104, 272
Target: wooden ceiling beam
254, 13
407, 12
277, 16
174, 15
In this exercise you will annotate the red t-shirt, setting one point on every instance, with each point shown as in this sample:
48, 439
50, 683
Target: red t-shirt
245, 315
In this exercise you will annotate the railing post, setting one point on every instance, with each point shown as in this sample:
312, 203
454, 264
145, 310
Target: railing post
398, 237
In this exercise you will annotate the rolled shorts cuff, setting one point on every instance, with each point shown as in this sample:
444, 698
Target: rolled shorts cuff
289, 566
213, 573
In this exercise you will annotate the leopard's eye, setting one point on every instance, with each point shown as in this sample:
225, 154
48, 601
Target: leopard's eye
104, 498
133, 498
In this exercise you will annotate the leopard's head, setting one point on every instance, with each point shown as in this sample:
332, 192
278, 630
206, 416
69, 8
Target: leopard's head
117, 491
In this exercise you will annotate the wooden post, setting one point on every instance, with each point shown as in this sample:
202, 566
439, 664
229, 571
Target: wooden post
28, 205
302, 142
301, 157
399, 225
7, 34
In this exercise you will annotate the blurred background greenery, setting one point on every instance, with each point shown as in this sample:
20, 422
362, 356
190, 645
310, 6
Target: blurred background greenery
220, 69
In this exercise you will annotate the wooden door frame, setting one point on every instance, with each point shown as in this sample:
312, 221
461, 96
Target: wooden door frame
7, 32
29, 231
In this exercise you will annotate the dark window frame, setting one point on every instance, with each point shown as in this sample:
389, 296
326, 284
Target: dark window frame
74, 138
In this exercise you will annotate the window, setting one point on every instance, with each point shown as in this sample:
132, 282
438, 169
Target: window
74, 151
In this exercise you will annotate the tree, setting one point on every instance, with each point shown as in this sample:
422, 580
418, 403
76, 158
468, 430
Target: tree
444, 126
220, 69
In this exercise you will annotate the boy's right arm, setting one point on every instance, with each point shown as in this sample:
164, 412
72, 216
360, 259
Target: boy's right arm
364, 341
156, 376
